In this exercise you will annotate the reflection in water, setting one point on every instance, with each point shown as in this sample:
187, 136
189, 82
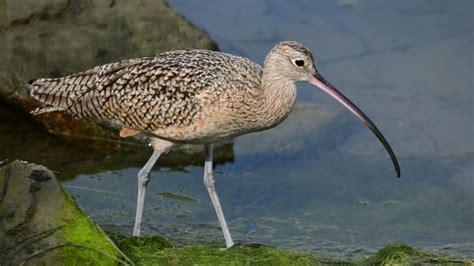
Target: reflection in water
21, 140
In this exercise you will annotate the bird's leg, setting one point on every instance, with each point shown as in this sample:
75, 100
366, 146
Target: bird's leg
143, 178
209, 182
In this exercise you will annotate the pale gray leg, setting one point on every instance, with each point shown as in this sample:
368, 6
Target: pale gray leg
143, 178
209, 182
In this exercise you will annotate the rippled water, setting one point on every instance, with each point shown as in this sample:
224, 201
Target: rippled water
321, 182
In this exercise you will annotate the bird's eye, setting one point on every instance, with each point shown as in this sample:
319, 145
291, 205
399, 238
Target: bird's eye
299, 62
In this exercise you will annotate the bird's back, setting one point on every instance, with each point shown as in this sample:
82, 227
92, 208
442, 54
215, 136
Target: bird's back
168, 90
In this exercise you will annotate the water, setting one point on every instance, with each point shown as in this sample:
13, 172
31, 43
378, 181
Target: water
320, 182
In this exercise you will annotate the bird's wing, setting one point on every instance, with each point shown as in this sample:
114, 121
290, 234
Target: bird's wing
147, 93
63, 93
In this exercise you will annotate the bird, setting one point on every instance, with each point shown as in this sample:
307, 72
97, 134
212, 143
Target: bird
191, 97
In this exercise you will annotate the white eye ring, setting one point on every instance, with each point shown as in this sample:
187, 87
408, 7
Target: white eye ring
299, 62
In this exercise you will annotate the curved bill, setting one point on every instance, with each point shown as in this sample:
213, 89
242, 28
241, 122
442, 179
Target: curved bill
320, 82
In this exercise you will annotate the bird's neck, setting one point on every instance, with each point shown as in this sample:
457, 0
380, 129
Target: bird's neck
278, 98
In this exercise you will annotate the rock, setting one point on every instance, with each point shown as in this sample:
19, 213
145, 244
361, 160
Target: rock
57, 37
41, 224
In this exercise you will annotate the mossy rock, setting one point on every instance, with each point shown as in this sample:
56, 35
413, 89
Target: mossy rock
401, 254
156, 250
41, 224
159, 251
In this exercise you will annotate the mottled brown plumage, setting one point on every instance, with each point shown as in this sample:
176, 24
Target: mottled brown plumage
173, 90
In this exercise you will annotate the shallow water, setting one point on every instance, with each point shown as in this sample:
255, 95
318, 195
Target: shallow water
320, 182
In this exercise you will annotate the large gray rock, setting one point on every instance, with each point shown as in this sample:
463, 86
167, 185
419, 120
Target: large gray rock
41, 224
57, 37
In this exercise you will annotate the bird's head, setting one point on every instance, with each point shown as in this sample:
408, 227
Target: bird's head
291, 61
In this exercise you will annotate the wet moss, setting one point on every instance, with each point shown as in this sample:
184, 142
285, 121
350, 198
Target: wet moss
397, 253
134, 247
149, 252
157, 250
86, 244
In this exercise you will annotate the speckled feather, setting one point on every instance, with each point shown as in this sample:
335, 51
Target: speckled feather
188, 96
148, 93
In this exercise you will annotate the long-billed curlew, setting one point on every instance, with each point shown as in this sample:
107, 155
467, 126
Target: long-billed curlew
194, 96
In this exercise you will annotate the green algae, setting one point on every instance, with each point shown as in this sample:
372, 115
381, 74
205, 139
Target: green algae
401, 254
398, 253
136, 247
156, 250
159, 251
86, 244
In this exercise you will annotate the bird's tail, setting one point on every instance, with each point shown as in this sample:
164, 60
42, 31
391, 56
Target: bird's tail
57, 94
